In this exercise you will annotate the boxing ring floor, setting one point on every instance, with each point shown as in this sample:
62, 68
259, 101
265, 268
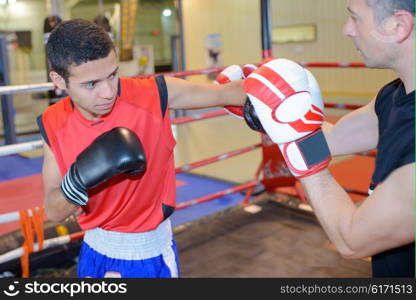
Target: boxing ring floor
219, 238
275, 242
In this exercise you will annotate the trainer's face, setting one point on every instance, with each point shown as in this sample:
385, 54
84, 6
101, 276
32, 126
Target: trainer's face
92, 86
372, 40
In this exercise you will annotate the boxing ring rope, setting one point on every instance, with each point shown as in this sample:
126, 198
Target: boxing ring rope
52, 242
26, 88
303, 64
41, 87
28, 146
332, 64
61, 240
236, 189
14, 216
188, 167
22, 147
17, 148
196, 117
342, 106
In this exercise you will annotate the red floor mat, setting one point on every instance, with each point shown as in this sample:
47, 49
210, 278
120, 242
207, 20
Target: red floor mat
18, 194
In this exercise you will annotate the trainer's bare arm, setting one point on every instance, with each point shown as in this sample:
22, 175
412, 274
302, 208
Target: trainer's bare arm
355, 132
383, 221
57, 208
183, 94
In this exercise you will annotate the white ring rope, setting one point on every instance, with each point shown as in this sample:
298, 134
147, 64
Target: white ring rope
27, 88
16, 148
40, 87
18, 252
12, 216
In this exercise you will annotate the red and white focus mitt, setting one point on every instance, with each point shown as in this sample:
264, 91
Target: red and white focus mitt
289, 106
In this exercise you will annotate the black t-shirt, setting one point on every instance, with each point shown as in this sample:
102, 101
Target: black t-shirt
396, 147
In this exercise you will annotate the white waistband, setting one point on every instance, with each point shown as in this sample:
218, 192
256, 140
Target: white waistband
131, 246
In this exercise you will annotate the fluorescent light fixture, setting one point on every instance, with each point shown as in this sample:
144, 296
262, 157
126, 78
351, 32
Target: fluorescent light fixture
167, 12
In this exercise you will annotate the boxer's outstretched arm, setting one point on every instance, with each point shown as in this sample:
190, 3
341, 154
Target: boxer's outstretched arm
57, 208
183, 94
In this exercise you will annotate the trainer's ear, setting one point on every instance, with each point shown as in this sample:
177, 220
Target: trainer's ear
58, 80
404, 24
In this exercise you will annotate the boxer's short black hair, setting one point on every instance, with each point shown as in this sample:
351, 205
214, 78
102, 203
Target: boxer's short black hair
75, 42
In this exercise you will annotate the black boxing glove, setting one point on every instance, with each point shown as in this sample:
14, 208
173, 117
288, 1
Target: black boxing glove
250, 116
114, 152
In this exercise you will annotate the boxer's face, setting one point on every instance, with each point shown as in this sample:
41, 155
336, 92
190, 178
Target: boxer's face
92, 86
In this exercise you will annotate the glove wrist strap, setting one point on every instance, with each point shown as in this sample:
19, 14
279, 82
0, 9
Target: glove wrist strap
307, 155
72, 188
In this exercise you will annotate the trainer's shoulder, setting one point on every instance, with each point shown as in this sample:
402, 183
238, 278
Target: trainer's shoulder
386, 94
390, 87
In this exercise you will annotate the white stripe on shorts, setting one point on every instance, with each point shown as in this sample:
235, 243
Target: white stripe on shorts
169, 259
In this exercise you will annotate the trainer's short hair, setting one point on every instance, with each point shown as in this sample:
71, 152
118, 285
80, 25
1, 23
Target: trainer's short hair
386, 8
75, 42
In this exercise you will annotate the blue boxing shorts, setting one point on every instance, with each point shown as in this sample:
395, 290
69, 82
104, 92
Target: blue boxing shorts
151, 254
